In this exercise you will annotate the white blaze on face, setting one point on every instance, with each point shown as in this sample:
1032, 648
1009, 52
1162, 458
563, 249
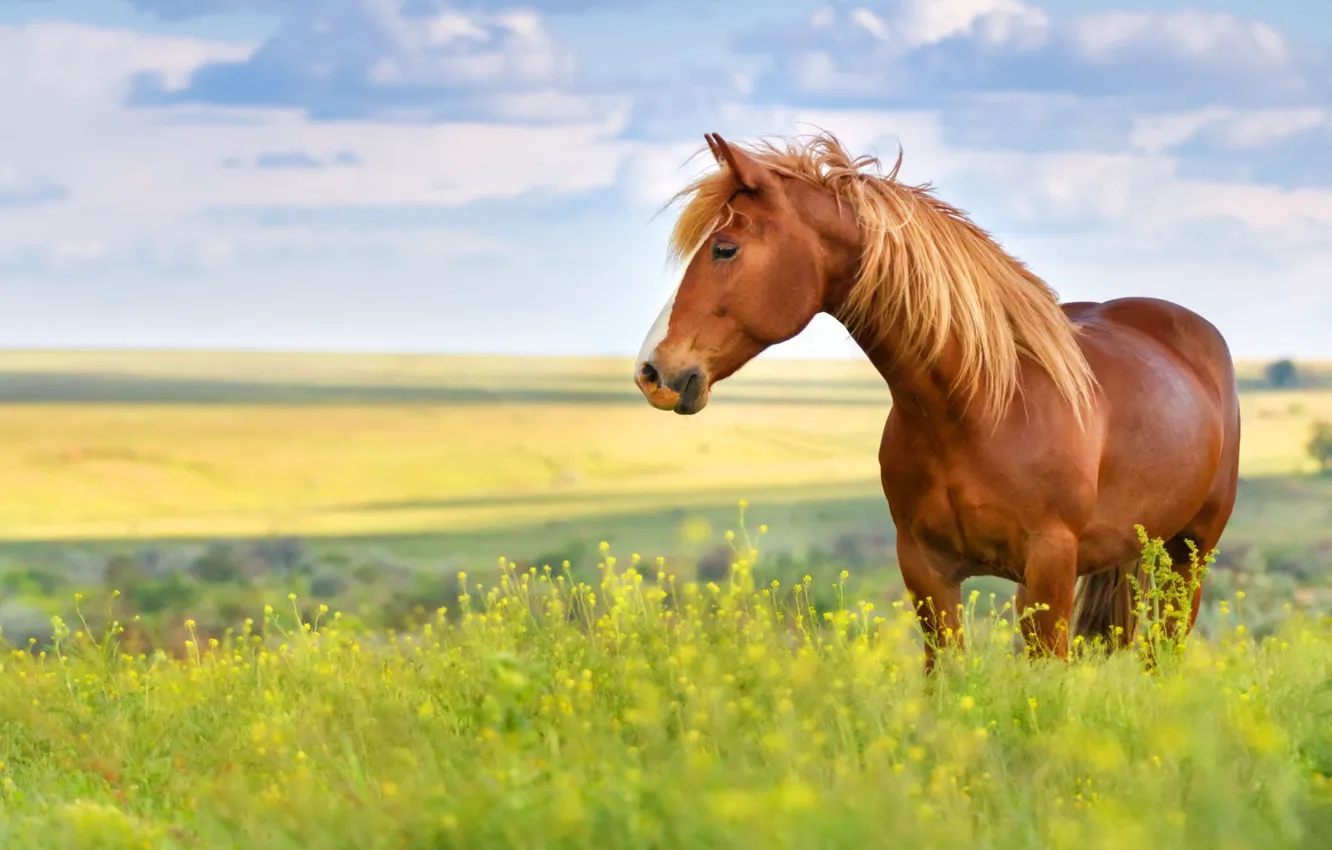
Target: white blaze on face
659, 328
657, 332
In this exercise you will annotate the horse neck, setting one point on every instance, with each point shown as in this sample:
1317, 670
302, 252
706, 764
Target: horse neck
920, 390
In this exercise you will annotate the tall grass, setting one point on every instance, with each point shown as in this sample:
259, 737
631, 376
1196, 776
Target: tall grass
641, 711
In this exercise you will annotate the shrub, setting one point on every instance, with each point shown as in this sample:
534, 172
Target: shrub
1320, 445
1283, 374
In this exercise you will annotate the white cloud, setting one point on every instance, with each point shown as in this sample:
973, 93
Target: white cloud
78, 65
1157, 133
913, 50
138, 179
1229, 128
823, 17
1145, 197
1257, 129
129, 190
379, 58
656, 171
25, 188
923, 22
510, 48
910, 24
1108, 36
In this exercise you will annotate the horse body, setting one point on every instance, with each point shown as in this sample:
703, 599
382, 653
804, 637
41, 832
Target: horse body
1170, 455
1026, 439
1041, 502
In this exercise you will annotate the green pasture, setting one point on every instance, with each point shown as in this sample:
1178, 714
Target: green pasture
446, 463
302, 601
180, 445
642, 711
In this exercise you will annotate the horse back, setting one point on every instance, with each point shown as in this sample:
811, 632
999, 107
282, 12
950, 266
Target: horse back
1143, 329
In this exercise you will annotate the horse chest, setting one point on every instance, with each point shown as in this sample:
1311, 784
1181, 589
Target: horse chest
957, 514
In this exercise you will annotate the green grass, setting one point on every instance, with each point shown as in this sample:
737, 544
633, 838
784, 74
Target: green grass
444, 463
613, 706
642, 711
1278, 546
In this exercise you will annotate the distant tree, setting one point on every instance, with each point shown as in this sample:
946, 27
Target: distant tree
1320, 445
1283, 374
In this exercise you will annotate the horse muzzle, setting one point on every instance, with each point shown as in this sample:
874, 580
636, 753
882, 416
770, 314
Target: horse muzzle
684, 391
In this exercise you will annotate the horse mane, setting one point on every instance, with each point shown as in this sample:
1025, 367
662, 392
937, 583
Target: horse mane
926, 270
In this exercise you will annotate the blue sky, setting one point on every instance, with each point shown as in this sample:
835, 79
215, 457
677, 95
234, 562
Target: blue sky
417, 175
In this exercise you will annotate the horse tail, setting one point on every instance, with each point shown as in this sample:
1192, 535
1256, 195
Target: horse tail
1103, 606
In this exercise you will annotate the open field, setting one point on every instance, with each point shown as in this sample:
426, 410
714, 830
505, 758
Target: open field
176, 496
141, 446
361, 464
646, 713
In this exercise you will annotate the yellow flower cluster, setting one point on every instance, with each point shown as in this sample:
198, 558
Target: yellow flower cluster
641, 710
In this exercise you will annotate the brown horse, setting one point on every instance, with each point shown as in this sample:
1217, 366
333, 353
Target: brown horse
1126, 411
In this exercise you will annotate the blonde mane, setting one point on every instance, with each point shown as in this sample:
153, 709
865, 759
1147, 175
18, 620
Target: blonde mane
926, 271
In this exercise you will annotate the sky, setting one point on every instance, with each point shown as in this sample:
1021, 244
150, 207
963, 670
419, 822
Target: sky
419, 175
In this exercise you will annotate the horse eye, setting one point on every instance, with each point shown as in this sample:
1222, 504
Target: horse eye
724, 251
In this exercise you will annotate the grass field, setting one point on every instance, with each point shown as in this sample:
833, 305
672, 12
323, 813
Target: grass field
404, 451
141, 446
167, 498
644, 713
445, 463
462, 459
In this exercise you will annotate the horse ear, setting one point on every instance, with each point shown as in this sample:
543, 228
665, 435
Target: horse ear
749, 172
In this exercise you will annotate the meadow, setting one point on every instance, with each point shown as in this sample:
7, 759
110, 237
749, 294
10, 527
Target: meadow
646, 712
429, 465
374, 601
177, 445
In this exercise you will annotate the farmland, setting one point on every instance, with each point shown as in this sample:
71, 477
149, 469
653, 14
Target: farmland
411, 691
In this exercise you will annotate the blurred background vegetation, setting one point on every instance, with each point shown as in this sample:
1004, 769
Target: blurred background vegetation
204, 486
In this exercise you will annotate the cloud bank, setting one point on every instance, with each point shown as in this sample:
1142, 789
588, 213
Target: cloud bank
425, 175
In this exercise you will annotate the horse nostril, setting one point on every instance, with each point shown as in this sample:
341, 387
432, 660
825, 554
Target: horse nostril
649, 373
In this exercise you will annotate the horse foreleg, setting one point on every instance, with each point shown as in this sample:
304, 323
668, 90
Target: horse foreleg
936, 594
1049, 583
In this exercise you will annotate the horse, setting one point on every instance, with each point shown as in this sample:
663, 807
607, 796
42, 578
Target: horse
1026, 439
